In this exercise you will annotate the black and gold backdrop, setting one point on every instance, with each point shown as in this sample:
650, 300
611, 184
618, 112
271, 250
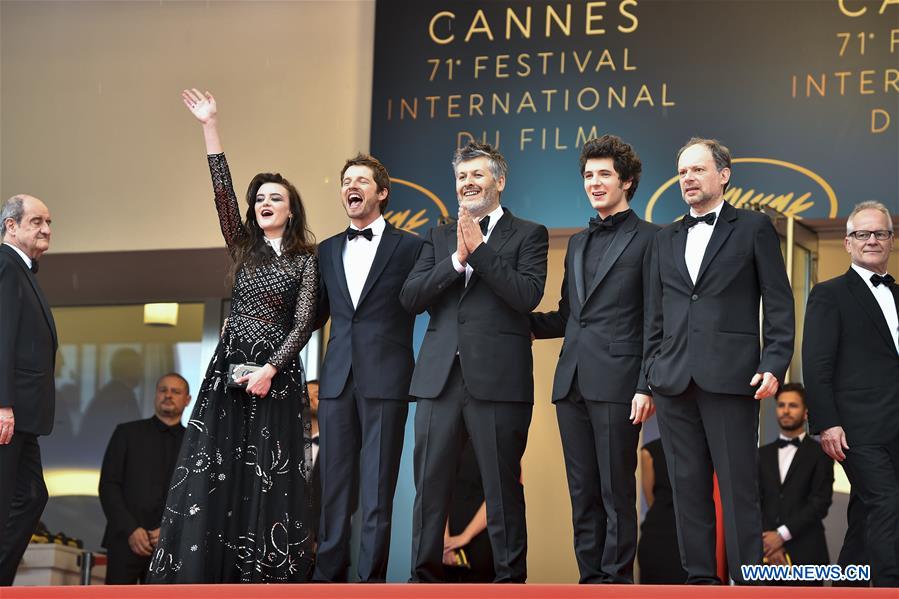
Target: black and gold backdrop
805, 93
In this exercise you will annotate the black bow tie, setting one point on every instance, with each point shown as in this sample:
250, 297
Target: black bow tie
485, 222
781, 443
352, 233
599, 224
34, 267
876, 279
315, 440
691, 220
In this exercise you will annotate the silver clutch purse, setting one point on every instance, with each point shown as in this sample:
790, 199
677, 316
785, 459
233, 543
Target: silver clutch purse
236, 371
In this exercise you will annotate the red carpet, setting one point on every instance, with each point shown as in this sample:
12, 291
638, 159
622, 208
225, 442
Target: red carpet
444, 591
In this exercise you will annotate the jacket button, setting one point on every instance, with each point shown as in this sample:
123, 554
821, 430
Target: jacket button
694, 297
583, 324
355, 319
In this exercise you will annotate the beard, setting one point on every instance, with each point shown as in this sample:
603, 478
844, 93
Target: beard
481, 206
792, 427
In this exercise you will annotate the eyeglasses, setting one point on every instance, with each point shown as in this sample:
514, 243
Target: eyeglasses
866, 235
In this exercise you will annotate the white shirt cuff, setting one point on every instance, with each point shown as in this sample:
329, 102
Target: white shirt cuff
784, 532
460, 268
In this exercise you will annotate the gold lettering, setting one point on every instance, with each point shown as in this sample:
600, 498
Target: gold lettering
848, 13
627, 65
605, 60
621, 100
549, 94
524, 62
884, 118
624, 13
583, 136
841, 75
886, 3
475, 106
478, 67
665, 101
440, 40
526, 102
497, 100
864, 83
524, 138
890, 80
580, 96
501, 66
582, 66
484, 27
452, 106
552, 15
591, 17
524, 28
811, 82
643, 96
405, 108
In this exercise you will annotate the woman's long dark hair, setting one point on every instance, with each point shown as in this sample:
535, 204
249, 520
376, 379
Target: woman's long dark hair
252, 250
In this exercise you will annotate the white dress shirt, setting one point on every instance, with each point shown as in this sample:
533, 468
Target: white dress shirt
358, 256
698, 237
884, 298
494, 218
785, 457
21, 253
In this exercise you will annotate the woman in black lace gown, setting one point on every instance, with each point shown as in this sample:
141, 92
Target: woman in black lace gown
238, 505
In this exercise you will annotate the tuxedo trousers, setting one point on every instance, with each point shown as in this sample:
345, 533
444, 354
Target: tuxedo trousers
360, 444
23, 496
599, 443
704, 434
499, 432
873, 471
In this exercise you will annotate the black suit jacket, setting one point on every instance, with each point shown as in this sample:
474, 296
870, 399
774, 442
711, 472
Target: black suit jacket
375, 338
27, 347
801, 502
849, 361
487, 321
602, 319
709, 332
136, 475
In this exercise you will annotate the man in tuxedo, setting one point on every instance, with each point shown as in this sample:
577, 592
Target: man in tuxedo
27, 360
479, 279
795, 487
850, 359
135, 479
703, 362
599, 390
364, 391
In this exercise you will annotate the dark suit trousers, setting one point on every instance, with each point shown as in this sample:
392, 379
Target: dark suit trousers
23, 496
600, 447
853, 549
873, 471
499, 435
123, 566
360, 442
704, 434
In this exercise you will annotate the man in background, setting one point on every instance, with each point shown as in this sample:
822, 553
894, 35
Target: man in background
795, 487
135, 479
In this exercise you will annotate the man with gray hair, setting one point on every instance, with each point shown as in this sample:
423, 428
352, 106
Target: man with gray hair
850, 362
479, 279
27, 359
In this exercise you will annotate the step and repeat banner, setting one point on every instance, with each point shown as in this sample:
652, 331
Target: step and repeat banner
804, 93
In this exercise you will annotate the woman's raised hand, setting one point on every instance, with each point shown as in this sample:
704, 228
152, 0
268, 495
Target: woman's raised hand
201, 105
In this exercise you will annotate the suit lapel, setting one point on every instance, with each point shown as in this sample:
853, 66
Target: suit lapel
679, 250
723, 228
578, 245
860, 291
389, 241
337, 262
45, 307
623, 236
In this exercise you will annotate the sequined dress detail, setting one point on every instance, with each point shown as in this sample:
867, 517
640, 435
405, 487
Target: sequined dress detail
238, 504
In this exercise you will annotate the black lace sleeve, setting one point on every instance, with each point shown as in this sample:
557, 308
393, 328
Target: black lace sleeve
225, 200
304, 315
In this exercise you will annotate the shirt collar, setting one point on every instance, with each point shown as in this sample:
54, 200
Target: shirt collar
717, 211
801, 437
21, 253
377, 226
